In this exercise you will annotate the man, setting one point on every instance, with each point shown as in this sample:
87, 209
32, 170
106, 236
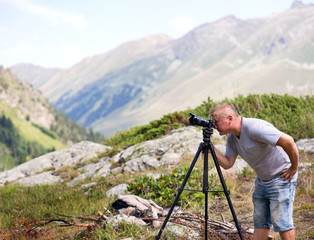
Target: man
274, 157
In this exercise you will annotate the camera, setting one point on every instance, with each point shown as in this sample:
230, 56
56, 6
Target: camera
199, 121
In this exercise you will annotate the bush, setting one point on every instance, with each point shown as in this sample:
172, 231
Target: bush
164, 189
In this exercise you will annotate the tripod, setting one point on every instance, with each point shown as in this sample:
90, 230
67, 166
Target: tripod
204, 146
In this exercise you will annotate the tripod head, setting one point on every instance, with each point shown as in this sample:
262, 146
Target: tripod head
207, 132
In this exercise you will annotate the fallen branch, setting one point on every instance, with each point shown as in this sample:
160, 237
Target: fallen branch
67, 224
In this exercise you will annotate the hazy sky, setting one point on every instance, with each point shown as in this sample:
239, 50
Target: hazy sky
61, 33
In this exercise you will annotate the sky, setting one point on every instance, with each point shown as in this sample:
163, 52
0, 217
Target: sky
61, 33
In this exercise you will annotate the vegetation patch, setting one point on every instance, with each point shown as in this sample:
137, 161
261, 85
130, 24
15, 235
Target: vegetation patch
67, 173
20, 149
164, 189
292, 115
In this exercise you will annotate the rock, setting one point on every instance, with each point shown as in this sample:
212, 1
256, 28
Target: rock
77, 154
182, 231
168, 150
307, 145
172, 159
40, 179
117, 219
154, 176
117, 190
88, 185
140, 164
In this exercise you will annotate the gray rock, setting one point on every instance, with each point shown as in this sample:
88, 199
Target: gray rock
163, 151
117, 219
171, 158
140, 164
117, 190
88, 185
154, 176
182, 231
78, 153
93, 170
40, 179
307, 145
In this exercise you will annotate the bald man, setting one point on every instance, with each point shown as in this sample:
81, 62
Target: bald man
273, 156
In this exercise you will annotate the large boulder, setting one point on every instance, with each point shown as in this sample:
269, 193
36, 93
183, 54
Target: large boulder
168, 150
42, 169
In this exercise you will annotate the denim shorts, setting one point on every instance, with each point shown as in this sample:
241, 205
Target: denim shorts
273, 206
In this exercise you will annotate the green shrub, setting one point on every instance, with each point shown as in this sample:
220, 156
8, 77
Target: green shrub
164, 189
292, 115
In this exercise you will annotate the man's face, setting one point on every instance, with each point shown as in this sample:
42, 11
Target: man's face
221, 124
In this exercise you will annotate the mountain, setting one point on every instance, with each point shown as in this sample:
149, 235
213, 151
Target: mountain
29, 125
144, 79
35, 75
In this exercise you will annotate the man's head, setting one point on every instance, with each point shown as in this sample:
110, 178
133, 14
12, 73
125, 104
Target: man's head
225, 116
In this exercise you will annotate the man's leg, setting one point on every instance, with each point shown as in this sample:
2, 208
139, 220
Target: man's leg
282, 211
261, 233
261, 215
287, 235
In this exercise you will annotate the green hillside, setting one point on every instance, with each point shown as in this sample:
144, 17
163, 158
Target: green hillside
292, 115
22, 140
29, 126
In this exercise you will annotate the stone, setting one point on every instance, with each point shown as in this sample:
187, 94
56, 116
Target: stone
40, 179
140, 164
307, 145
77, 154
117, 219
117, 190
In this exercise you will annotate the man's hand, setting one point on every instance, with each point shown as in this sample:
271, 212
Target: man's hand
288, 173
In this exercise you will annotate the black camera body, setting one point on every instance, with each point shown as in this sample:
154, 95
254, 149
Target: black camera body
202, 122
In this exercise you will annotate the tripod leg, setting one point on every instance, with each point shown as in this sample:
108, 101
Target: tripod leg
180, 190
225, 189
205, 187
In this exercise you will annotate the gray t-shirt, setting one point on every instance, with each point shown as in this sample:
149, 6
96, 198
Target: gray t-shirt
257, 146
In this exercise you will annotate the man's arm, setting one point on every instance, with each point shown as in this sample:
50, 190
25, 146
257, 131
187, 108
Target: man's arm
224, 162
286, 142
